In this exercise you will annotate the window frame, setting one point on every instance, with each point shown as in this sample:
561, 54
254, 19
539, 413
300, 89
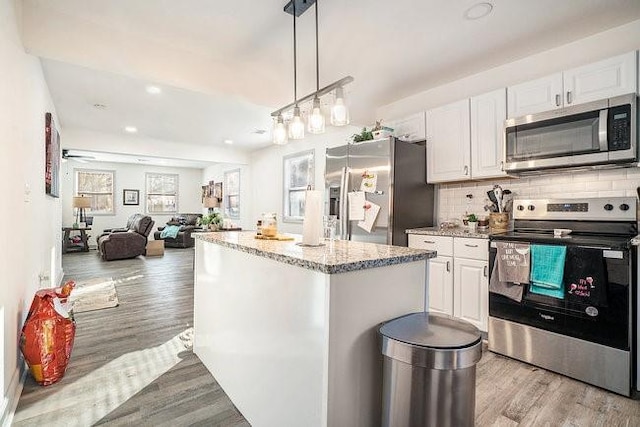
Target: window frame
93, 212
147, 193
286, 190
227, 195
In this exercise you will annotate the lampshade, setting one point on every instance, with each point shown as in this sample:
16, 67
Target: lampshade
339, 111
211, 202
296, 126
316, 119
82, 202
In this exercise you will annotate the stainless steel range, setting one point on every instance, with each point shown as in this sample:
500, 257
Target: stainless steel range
573, 310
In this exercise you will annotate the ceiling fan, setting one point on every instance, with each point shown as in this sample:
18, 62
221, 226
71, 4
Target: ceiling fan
79, 157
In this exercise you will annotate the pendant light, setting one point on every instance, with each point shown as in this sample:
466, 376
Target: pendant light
316, 119
296, 125
339, 110
280, 136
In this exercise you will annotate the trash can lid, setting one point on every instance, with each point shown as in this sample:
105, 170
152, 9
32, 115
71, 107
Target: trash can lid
432, 331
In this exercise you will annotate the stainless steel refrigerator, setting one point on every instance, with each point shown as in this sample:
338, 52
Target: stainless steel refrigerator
402, 192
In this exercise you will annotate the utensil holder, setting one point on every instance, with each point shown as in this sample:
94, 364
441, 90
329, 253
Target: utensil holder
499, 221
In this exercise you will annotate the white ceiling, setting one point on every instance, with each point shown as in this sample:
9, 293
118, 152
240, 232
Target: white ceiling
225, 65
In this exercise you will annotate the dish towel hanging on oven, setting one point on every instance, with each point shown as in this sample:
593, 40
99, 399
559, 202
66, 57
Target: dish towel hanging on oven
510, 270
585, 277
547, 270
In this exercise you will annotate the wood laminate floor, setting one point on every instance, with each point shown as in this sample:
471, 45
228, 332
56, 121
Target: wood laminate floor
132, 365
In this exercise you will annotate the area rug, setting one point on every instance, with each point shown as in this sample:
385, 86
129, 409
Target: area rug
94, 294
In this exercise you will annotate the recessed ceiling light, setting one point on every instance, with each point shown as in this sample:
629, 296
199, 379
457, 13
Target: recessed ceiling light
154, 90
228, 141
99, 106
131, 129
477, 11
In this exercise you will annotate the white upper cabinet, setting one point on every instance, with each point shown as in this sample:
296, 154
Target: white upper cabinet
449, 143
409, 129
604, 79
535, 96
488, 113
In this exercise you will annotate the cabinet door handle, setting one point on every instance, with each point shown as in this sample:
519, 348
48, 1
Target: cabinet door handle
466, 170
558, 99
429, 241
470, 246
569, 97
502, 166
448, 266
484, 271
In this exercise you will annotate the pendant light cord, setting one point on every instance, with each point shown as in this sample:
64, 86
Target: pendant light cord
295, 71
317, 54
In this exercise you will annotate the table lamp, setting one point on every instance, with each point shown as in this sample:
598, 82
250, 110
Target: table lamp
211, 202
81, 203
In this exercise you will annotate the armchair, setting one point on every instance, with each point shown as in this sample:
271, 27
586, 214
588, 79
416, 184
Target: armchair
126, 243
188, 224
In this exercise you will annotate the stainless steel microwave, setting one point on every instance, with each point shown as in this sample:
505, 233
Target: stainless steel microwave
597, 133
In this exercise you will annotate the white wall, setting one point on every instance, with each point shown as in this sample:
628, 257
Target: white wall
31, 219
267, 170
451, 200
216, 173
129, 176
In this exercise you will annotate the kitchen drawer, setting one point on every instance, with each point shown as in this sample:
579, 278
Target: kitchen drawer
471, 248
442, 244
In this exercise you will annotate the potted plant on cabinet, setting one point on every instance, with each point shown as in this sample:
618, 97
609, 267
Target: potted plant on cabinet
472, 219
212, 221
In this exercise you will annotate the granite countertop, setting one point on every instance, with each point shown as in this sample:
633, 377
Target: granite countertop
636, 240
340, 256
450, 232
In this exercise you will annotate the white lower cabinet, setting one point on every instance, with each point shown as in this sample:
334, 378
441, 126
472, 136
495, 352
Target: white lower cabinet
441, 285
458, 276
471, 290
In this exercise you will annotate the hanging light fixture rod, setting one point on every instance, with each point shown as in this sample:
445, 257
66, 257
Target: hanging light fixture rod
325, 90
301, 7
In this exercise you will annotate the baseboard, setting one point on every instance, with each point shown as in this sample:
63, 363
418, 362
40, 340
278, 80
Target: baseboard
13, 395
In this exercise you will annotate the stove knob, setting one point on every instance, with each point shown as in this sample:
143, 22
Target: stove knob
520, 207
531, 207
624, 207
608, 207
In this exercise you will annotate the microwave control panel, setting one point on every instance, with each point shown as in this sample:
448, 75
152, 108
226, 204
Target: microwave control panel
620, 128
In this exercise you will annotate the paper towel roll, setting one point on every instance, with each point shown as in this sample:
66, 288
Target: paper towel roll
312, 225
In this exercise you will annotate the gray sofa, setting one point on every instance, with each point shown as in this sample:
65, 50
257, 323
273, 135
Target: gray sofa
188, 224
129, 242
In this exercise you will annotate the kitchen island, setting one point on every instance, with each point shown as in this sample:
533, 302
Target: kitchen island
289, 332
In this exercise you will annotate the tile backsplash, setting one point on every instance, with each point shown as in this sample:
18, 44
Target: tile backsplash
453, 203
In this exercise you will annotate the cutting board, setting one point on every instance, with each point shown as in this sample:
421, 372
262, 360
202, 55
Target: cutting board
280, 237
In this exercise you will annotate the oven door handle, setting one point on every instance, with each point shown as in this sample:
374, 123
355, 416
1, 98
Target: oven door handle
603, 130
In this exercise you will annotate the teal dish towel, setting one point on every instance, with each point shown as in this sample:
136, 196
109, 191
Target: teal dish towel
547, 270
170, 231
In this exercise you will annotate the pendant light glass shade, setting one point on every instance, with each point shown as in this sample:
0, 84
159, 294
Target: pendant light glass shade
316, 119
296, 125
280, 136
339, 110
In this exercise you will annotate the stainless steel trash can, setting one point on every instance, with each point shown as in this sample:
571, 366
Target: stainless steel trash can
429, 371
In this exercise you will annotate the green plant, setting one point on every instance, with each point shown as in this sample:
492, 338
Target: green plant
214, 218
365, 135
472, 218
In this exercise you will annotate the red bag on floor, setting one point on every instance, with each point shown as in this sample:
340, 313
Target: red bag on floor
47, 335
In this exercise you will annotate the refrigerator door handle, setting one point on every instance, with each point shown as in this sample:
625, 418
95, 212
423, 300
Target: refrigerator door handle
344, 178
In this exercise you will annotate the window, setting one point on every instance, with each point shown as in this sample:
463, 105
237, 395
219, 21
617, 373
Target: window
232, 193
162, 193
98, 185
298, 174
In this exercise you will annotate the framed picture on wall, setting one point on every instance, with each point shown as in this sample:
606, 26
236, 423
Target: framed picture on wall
52, 157
131, 197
